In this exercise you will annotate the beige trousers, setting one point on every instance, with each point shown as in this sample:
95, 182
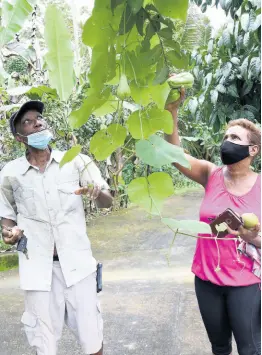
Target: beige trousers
77, 306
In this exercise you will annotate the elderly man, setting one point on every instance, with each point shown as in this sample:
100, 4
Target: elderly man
43, 202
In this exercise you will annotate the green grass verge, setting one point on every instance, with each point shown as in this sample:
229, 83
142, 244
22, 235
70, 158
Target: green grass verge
8, 261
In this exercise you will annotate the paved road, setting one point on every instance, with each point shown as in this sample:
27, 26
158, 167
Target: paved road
149, 307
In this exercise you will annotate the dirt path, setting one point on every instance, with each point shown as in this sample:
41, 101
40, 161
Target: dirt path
149, 307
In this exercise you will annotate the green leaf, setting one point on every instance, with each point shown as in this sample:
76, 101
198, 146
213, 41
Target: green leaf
60, 57
13, 17
151, 192
166, 33
245, 21
178, 59
159, 94
162, 72
140, 20
220, 88
36, 93
232, 90
98, 28
115, 3
106, 141
246, 88
108, 107
127, 21
194, 227
142, 124
70, 155
143, 95
157, 152
135, 5
214, 96
255, 67
193, 105
91, 103
170, 8
99, 66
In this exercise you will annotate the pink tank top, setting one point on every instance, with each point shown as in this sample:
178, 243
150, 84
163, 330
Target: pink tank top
236, 269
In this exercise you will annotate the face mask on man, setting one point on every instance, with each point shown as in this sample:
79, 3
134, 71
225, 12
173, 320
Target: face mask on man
39, 140
232, 153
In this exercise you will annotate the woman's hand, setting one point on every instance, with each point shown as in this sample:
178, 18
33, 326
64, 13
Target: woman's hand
248, 235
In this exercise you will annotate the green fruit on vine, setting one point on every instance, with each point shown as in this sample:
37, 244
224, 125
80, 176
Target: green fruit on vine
250, 220
123, 90
173, 96
183, 79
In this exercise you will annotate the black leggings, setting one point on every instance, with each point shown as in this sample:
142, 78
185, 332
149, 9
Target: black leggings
226, 310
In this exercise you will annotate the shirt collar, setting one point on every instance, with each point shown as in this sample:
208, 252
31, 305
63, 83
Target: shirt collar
25, 165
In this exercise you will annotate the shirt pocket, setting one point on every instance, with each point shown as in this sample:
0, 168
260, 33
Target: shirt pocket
66, 186
25, 201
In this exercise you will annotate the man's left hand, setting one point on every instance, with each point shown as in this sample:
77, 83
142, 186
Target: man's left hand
248, 235
91, 190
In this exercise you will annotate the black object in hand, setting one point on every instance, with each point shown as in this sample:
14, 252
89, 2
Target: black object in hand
99, 277
22, 245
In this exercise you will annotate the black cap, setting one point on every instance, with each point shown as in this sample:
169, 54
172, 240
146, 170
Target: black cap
29, 105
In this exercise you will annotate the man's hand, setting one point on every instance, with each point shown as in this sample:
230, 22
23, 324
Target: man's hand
11, 235
248, 235
92, 190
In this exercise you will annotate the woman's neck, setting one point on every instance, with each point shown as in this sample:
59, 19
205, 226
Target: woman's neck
239, 171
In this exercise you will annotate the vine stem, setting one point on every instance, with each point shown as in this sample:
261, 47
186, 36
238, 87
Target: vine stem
171, 246
129, 158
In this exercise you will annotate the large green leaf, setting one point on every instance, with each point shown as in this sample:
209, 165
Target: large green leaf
187, 225
157, 152
70, 155
127, 21
95, 100
176, 9
151, 192
142, 124
60, 57
178, 60
109, 106
99, 66
99, 28
162, 72
106, 141
144, 94
37, 93
13, 17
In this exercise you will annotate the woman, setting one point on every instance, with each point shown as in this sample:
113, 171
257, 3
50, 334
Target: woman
227, 282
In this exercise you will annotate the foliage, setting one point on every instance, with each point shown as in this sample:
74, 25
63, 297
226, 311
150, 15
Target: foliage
227, 71
227, 81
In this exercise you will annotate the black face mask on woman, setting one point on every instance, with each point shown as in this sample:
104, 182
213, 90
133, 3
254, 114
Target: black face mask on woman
232, 153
